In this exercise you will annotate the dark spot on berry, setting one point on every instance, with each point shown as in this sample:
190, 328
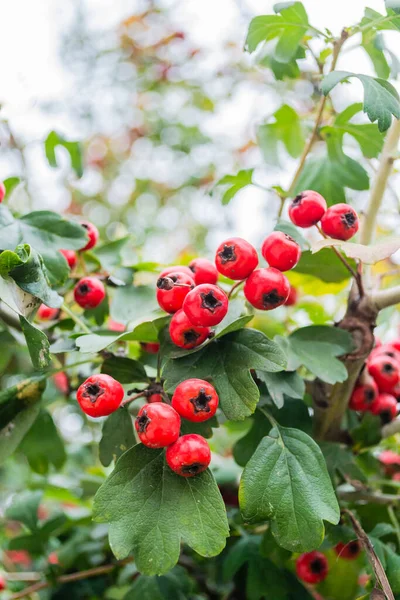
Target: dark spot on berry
227, 254
209, 301
317, 566
391, 354
289, 238
349, 219
83, 288
354, 547
190, 336
386, 416
201, 403
387, 368
272, 298
93, 391
85, 225
192, 268
369, 395
142, 422
193, 469
298, 199
165, 283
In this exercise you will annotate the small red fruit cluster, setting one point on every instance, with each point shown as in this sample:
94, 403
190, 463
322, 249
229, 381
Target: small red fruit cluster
158, 424
313, 567
378, 388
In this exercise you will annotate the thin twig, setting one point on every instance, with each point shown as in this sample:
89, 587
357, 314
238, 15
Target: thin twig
75, 318
370, 497
395, 523
234, 287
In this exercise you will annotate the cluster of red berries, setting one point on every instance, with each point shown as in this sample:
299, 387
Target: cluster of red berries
158, 424
313, 567
378, 388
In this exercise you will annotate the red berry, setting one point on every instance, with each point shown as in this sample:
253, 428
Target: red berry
386, 350
363, 396
70, 257
340, 222
53, 559
172, 290
100, 395
115, 326
61, 382
395, 391
3, 584
349, 551
385, 370
395, 344
235, 258
389, 457
195, 400
189, 456
267, 289
158, 425
206, 305
293, 297
176, 269
184, 334
89, 292
385, 406
312, 567
203, 271
45, 313
154, 398
19, 557
281, 251
307, 209
150, 347
93, 235
2, 191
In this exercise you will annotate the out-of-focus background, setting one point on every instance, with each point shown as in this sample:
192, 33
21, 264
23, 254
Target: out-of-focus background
165, 102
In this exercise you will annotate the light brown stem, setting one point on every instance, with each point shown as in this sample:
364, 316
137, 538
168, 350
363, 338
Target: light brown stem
385, 298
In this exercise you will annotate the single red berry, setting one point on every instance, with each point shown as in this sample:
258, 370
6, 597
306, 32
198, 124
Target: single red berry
349, 551
386, 350
293, 297
89, 292
389, 457
19, 557
2, 191
385, 370
176, 269
157, 425
312, 567
115, 326
61, 382
206, 305
154, 398
172, 290
3, 584
340, 222
189, 456
395, 344
203, 271
184, 334
100, 395
235, 258
385, 406
93, 235
150, 347
395, 391
363, 396
53, 559
70, 257
45, 313
267, 289
281, 251
195, 400
307, 209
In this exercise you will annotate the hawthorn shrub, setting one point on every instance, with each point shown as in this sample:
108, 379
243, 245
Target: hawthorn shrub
240, 437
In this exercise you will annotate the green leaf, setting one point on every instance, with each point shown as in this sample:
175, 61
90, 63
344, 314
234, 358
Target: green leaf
325, 265
124, 370
38, 344
381, 99
367, 135
150, 510
25, 508
175, 585
10, 183
290, 27
20, 396
131, 303
73, 148
285, 70
368, 432
227, 363
393, 5
16, 428
110, 255
9, 260
236, 183
340, 459
317, 346
287, 482
286, 129
286, 383
117, 436
374, 48
43, 446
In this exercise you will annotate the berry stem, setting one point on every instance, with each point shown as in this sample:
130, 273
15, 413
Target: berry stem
395, 523
75, 318
141, 394
234, 287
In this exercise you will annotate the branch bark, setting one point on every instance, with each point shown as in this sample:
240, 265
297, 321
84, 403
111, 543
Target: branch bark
384, 298
370, 497
391, 428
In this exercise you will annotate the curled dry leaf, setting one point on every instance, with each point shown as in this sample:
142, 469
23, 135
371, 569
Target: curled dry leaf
367, 254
